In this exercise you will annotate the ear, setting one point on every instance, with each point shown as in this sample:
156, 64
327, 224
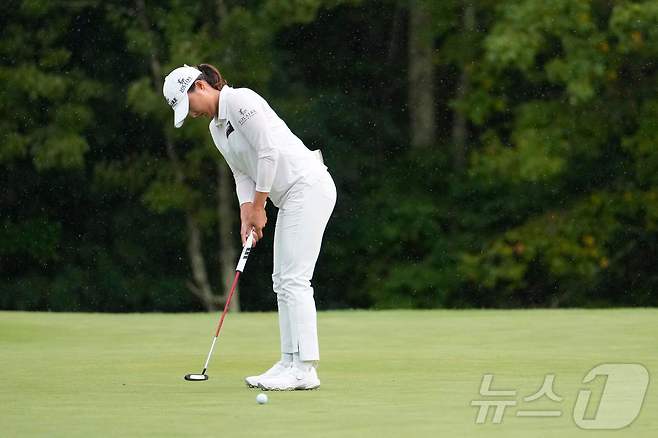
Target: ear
200, 84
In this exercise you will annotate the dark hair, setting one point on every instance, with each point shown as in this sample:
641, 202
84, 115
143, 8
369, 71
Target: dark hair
211, 75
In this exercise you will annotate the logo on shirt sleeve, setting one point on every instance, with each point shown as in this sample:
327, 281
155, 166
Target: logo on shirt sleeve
246, 115
229, 129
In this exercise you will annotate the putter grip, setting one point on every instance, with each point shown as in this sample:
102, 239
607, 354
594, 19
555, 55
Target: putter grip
245, 252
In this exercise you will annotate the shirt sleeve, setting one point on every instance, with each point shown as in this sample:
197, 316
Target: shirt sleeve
247, 109
244, 186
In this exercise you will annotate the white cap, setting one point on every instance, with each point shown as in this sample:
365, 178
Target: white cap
175, 89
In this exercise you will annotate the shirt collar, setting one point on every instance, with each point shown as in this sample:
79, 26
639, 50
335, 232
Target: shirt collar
221, 113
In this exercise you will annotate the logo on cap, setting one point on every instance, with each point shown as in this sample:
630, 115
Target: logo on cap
183, 83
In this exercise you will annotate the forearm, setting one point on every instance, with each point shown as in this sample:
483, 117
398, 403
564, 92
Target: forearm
266, 170
253, 217
245, 188
259, 199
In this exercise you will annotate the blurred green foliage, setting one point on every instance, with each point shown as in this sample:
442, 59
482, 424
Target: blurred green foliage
557, 205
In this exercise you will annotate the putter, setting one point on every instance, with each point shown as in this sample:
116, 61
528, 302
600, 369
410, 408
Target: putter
243, 260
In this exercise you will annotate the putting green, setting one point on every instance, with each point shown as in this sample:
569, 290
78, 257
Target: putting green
384, 373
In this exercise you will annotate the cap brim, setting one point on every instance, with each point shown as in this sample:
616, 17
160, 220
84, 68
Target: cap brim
180, 111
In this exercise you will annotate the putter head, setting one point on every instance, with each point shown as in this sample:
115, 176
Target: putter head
196, 377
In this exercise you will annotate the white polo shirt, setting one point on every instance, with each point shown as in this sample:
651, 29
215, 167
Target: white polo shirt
262, 152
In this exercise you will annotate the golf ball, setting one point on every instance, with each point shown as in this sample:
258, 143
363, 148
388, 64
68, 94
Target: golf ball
261, 398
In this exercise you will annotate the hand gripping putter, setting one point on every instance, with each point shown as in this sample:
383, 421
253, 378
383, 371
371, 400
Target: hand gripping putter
243, 260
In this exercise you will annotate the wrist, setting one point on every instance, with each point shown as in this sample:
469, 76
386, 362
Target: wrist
245, 208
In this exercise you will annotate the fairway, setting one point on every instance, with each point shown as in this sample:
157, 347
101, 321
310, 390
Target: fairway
384, 373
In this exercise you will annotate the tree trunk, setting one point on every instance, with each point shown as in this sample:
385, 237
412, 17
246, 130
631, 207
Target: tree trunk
200, 286
227, 252
459, 124
421, 75
394, 35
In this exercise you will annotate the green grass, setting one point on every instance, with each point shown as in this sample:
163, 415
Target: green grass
387, 373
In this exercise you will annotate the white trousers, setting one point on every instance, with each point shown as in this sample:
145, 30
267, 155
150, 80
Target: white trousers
300, 225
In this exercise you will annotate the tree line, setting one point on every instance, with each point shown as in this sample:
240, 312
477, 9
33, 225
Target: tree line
486, 153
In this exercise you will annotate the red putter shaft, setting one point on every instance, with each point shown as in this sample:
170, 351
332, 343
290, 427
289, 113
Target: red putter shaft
238, 270
228, 303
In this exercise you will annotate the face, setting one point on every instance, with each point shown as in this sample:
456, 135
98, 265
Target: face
203, 100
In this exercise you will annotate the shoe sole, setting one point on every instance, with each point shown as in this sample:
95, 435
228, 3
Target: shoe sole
249, 385
287, 389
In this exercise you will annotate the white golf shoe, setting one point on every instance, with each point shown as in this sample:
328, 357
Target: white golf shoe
277, 369
291, 379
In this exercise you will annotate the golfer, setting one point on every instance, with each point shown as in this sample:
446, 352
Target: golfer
268, 160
